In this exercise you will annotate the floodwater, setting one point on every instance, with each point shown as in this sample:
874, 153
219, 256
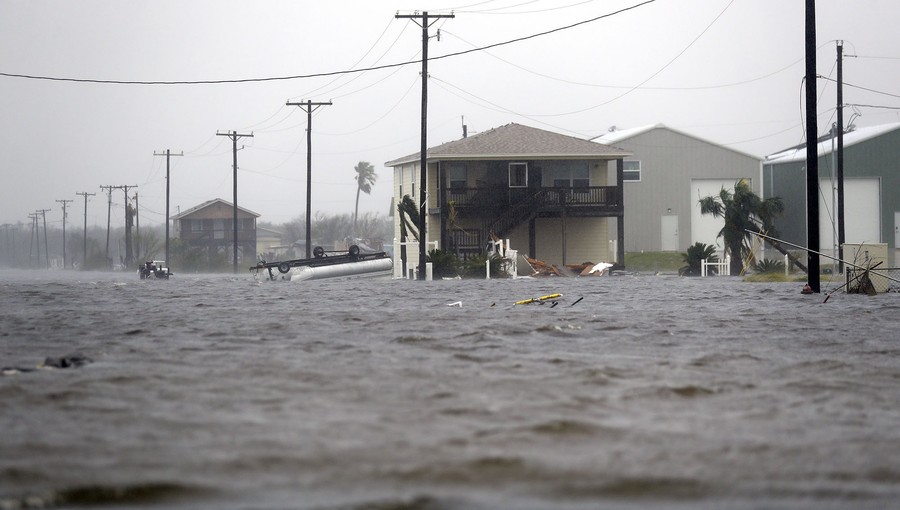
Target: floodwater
659, 392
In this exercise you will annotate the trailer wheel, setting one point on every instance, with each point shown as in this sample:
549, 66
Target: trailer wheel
354, 250
318, 252
284, 267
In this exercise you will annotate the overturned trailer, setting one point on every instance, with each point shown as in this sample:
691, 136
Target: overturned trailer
329, 264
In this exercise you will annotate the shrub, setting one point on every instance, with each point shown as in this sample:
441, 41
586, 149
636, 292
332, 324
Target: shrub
444, 264
473, 267
769, 266
694, 256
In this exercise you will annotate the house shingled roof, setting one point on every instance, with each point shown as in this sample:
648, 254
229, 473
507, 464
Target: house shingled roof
513, 141
208, 203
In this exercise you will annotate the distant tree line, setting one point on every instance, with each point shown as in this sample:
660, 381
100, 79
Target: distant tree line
23, 248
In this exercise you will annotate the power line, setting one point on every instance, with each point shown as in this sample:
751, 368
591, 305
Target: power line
828, 78
874, 106
493, 11
607, 86
330, 73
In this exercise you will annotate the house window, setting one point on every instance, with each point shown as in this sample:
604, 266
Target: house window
632, 171
219, 229
456, 176
572, 176
581, 177
518, 175
196, 225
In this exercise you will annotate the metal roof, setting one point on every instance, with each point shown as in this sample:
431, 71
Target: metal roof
858, 135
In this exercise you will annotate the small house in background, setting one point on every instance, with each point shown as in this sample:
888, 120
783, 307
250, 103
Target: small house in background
557, 198
666, 175
210, 226
871, 191
270, 244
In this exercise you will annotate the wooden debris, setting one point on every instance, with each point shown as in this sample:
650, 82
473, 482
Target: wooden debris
541, 268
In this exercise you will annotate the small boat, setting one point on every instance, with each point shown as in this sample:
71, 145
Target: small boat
329, 264
154, 269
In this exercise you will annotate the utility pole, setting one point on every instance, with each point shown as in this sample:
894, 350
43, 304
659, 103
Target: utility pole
108, 221
840, 154
309, 107
812, 156
424, 21
129, 254
84, 254
65, 215
168, 154
43, 213
137, 226
129, 257
234, 135
35, 236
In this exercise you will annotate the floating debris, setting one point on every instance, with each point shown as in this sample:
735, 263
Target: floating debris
538, 299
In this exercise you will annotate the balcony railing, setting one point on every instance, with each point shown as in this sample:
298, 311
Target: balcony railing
217, 235
589, 196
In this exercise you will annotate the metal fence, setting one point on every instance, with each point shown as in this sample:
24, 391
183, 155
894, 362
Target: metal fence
870, 281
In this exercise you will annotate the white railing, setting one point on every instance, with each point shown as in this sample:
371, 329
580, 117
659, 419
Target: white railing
412, 253
722, 268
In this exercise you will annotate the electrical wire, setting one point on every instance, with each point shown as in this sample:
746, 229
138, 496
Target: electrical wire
388, 112
329, 73
498, 108
828, 78
372, 47
874, 106
607, 86
630, 90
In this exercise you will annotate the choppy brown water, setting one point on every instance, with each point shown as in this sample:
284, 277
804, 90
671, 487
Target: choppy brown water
651, 392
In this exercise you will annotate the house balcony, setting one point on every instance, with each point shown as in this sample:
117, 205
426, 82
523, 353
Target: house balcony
590, 200
487, 211
217, 236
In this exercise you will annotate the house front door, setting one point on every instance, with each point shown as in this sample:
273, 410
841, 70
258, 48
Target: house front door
669, 237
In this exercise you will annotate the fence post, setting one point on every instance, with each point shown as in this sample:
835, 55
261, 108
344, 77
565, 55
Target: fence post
703, 267
787, 267
487, 269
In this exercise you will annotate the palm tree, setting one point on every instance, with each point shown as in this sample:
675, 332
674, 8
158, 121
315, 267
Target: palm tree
365, 179
744, 212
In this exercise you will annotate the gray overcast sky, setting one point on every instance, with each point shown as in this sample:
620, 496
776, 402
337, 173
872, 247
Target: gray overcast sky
729, 71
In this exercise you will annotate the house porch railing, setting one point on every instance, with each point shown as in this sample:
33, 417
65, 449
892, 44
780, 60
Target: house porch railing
587, 196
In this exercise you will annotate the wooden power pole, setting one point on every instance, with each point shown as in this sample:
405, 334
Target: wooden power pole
424, 20
84, 254
309, 107
234, 136
812, 156
65, 215
168, 154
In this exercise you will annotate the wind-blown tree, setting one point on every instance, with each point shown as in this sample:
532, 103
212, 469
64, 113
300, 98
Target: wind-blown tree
409, 218
742, 211
409, 223
365, 179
